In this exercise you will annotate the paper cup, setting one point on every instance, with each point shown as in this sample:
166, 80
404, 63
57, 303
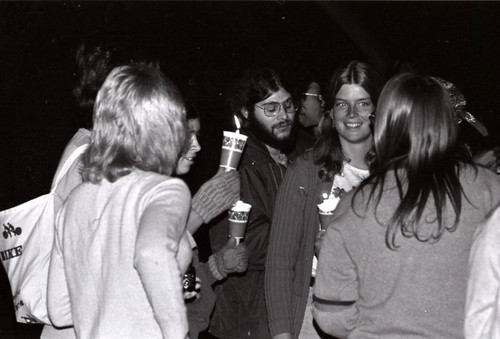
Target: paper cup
325, 211
232, 147
324, 219
238, 219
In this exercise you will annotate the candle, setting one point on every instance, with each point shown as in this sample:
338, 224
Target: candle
237, 122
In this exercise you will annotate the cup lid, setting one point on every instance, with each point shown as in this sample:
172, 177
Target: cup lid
328, 205
241, 206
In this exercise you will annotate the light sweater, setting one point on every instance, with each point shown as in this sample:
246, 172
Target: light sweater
365, 290
68, 182
482, 309
94, 282
73, 177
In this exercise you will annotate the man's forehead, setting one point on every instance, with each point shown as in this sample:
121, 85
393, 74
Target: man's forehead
278, 96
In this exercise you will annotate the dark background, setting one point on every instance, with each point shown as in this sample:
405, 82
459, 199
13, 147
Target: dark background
203, 45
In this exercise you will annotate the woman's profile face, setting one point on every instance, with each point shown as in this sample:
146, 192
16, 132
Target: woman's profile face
188, 157
350, 114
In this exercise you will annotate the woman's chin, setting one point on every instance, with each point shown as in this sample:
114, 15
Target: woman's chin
183, 166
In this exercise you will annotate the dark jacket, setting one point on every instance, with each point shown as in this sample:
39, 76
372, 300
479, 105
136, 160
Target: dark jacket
240, 310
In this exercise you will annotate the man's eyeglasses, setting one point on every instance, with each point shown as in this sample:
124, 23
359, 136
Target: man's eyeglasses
319, 96
272, 109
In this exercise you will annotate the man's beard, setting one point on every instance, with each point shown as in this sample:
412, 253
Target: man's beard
269, 138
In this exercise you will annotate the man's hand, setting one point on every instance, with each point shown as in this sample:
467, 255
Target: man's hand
231, 258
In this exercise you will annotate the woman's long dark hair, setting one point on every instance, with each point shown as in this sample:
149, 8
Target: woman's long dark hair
327, 151
416, 138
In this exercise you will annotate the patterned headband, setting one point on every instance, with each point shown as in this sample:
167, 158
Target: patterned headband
458, 102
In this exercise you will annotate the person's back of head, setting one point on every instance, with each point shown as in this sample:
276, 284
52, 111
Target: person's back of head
94, 60
415, 120
327, 149
416, 138
139, 122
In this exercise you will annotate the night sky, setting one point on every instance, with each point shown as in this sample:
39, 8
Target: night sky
204, 45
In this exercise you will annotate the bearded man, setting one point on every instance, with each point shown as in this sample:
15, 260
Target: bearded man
266, 109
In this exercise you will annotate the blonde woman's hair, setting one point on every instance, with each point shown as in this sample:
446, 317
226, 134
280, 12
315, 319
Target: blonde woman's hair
139, 122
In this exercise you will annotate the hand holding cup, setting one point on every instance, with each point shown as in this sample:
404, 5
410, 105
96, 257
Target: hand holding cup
238, 219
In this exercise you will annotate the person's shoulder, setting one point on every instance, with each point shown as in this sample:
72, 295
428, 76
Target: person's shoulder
304, 163
493, 218
303, 142
152, 179
488, 174
487, 234
478, 175
305, 138
83, 191
81, 137
152, 185
255, 154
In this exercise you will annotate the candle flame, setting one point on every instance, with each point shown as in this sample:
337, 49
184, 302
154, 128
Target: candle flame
237, 122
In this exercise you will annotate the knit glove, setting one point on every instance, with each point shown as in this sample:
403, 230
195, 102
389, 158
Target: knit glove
217, 195
229, 259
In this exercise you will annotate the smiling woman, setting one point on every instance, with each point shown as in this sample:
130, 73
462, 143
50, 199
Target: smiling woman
350, 114
192, 145
399, 244
337, 163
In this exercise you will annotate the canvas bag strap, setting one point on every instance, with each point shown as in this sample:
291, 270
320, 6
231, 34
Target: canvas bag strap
71, 159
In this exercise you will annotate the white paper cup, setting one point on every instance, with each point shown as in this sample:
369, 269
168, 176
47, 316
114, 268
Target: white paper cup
238, 219
233, 145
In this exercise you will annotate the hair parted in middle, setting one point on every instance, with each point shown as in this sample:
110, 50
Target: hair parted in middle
416, 137
139, 122
327, 150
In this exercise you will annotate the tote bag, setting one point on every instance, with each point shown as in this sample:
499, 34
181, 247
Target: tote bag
25, 248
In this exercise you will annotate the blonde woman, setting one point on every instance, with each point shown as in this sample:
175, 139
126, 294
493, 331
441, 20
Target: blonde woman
120, 245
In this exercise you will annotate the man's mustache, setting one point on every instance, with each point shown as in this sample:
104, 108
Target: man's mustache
282, 124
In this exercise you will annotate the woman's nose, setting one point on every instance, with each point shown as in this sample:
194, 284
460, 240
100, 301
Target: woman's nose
195, 146
353, 111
